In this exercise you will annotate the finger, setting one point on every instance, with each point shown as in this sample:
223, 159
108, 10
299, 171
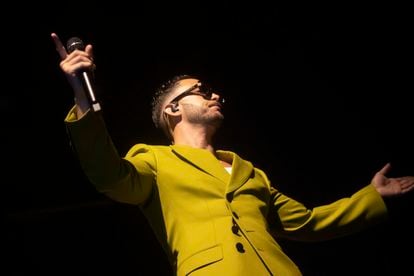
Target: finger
60, 48
407, 188
89, 51
407, 182
385, 169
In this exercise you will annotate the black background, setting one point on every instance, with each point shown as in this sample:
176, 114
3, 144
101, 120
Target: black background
317, 96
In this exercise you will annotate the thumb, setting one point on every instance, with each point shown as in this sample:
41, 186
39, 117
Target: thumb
89, 50
385, 169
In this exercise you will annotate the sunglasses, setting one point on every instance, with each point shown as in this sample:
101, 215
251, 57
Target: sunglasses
203, 90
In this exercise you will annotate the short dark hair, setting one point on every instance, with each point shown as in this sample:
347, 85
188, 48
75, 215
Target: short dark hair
159, 98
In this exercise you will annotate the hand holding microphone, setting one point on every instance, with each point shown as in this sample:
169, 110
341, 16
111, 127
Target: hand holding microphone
77, 68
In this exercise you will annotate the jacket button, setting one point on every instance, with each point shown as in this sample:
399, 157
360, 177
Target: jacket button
240, 247
229, 197
235, 229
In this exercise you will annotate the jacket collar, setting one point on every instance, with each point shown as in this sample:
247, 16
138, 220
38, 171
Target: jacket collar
205, 161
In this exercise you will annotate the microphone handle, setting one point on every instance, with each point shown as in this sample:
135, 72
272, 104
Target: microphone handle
91, 95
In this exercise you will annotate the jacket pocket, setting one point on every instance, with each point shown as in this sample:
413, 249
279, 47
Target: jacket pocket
201, 259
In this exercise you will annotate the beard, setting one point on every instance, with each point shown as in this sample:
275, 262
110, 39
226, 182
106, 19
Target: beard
203, 115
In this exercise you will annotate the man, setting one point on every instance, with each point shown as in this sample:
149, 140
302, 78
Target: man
213, 212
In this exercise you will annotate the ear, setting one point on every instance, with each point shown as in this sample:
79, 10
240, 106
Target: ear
172, 109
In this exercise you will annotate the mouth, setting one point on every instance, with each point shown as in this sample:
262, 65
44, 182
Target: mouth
216, 104
216, 108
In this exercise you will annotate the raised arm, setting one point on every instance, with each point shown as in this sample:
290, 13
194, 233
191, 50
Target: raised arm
71, 64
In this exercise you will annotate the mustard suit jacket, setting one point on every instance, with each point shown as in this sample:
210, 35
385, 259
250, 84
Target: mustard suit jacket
208, 221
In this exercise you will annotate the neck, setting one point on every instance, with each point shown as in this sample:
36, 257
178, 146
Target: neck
194, 136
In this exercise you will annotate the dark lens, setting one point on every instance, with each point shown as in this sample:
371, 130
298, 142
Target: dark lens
206, 91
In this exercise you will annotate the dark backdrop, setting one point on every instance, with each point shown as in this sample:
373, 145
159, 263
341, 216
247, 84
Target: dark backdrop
317, 96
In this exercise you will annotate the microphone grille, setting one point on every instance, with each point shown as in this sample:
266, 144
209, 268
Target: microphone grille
74, 43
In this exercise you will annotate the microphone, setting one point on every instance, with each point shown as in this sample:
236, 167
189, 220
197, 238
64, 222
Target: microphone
75, 43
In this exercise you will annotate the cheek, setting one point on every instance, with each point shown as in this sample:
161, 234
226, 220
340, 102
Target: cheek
196, 105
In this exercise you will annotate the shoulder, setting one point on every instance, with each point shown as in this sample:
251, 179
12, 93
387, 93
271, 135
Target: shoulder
145, 149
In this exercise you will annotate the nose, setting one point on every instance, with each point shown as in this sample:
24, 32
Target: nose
217, 98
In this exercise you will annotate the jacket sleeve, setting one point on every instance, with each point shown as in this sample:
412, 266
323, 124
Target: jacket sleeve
111, 174
342, 217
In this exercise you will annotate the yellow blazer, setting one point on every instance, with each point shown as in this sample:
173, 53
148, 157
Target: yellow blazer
208, 221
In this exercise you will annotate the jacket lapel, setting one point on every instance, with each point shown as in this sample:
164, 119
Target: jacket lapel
207, 162
241, 170
203, 160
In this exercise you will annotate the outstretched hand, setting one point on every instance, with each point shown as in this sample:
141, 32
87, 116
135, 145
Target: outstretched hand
388, 186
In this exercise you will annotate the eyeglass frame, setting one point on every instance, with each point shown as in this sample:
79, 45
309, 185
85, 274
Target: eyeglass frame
206, 94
